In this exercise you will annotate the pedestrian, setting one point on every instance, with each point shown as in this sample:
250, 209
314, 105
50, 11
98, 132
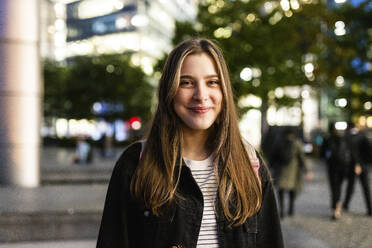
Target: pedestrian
290, 163
361, 152
82, 151
193, 182
338, 157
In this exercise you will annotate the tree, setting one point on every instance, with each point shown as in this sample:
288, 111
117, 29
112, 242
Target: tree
55, 85
354, 54
72, 90
277, 41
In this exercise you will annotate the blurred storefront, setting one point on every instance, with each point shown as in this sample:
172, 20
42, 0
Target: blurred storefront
304, 113
141, 27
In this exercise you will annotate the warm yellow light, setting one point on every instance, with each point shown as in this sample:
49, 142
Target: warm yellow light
279, 92
275, 18
367, 105
136, 125
271, 116
256, 72
295, 5
309, 67
139, 20
246, 74
340, 28
268, 6
135, 59
288, 13
220, 3
305, 94
223, 32
110, 68
251, 17
250, 100
340, 81
146, 65
341, 125
121, 22
271, 95
369, 121
285, 5
61, 127
213, 9
355, 88
341, 102
256, 82
362, 121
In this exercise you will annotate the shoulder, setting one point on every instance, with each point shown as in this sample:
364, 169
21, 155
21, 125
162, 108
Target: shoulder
129, 158
263, 171
249, 148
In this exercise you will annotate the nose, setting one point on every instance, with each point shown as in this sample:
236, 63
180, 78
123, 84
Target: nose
200, 92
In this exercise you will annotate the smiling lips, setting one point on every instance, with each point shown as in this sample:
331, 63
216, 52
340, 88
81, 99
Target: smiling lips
200, 110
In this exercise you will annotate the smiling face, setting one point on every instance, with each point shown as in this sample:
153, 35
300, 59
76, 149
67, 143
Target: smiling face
199, 97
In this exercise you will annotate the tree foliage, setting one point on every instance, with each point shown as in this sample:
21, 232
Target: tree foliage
71, 90
354, 53
280, 41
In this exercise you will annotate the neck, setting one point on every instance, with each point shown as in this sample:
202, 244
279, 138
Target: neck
195, 145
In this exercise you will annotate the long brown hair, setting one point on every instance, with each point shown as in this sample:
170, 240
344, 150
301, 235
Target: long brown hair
155, 183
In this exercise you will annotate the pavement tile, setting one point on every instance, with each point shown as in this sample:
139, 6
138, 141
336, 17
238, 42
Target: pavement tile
311, 227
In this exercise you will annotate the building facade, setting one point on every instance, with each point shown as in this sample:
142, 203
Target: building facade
142, 28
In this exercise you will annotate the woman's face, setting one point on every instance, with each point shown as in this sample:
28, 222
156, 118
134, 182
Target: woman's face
199, 97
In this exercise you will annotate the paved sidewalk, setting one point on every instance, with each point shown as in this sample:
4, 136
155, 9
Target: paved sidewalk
53, 198
62, 212
313, 213
55, 244
57, 167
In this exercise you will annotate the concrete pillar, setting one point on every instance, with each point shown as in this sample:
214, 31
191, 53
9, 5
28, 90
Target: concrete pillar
20, 93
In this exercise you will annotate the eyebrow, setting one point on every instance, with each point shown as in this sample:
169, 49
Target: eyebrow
208, 76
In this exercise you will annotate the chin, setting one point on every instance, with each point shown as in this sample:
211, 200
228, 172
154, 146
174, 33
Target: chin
199, 126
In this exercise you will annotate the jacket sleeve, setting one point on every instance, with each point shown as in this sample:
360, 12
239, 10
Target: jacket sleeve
362, 150
113, 231
269, 229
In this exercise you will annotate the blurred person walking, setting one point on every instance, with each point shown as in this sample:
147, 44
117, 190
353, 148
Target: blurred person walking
193, 182
361, 153
290, 162
338, 157
83, 151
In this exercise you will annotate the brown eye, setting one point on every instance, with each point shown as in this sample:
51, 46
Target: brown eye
214, 82
185, 83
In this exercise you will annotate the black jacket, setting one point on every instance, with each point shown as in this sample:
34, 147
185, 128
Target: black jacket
337, 153
126, 224
360, 147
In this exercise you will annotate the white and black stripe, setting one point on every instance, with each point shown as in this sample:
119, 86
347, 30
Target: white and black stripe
203, 173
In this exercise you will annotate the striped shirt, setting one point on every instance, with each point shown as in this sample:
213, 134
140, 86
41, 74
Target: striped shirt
203, 173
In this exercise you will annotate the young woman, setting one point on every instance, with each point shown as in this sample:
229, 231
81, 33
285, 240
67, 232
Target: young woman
194, 182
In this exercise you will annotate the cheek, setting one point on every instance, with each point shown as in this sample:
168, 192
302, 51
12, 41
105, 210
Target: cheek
181, 97
219, 98
178, 102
